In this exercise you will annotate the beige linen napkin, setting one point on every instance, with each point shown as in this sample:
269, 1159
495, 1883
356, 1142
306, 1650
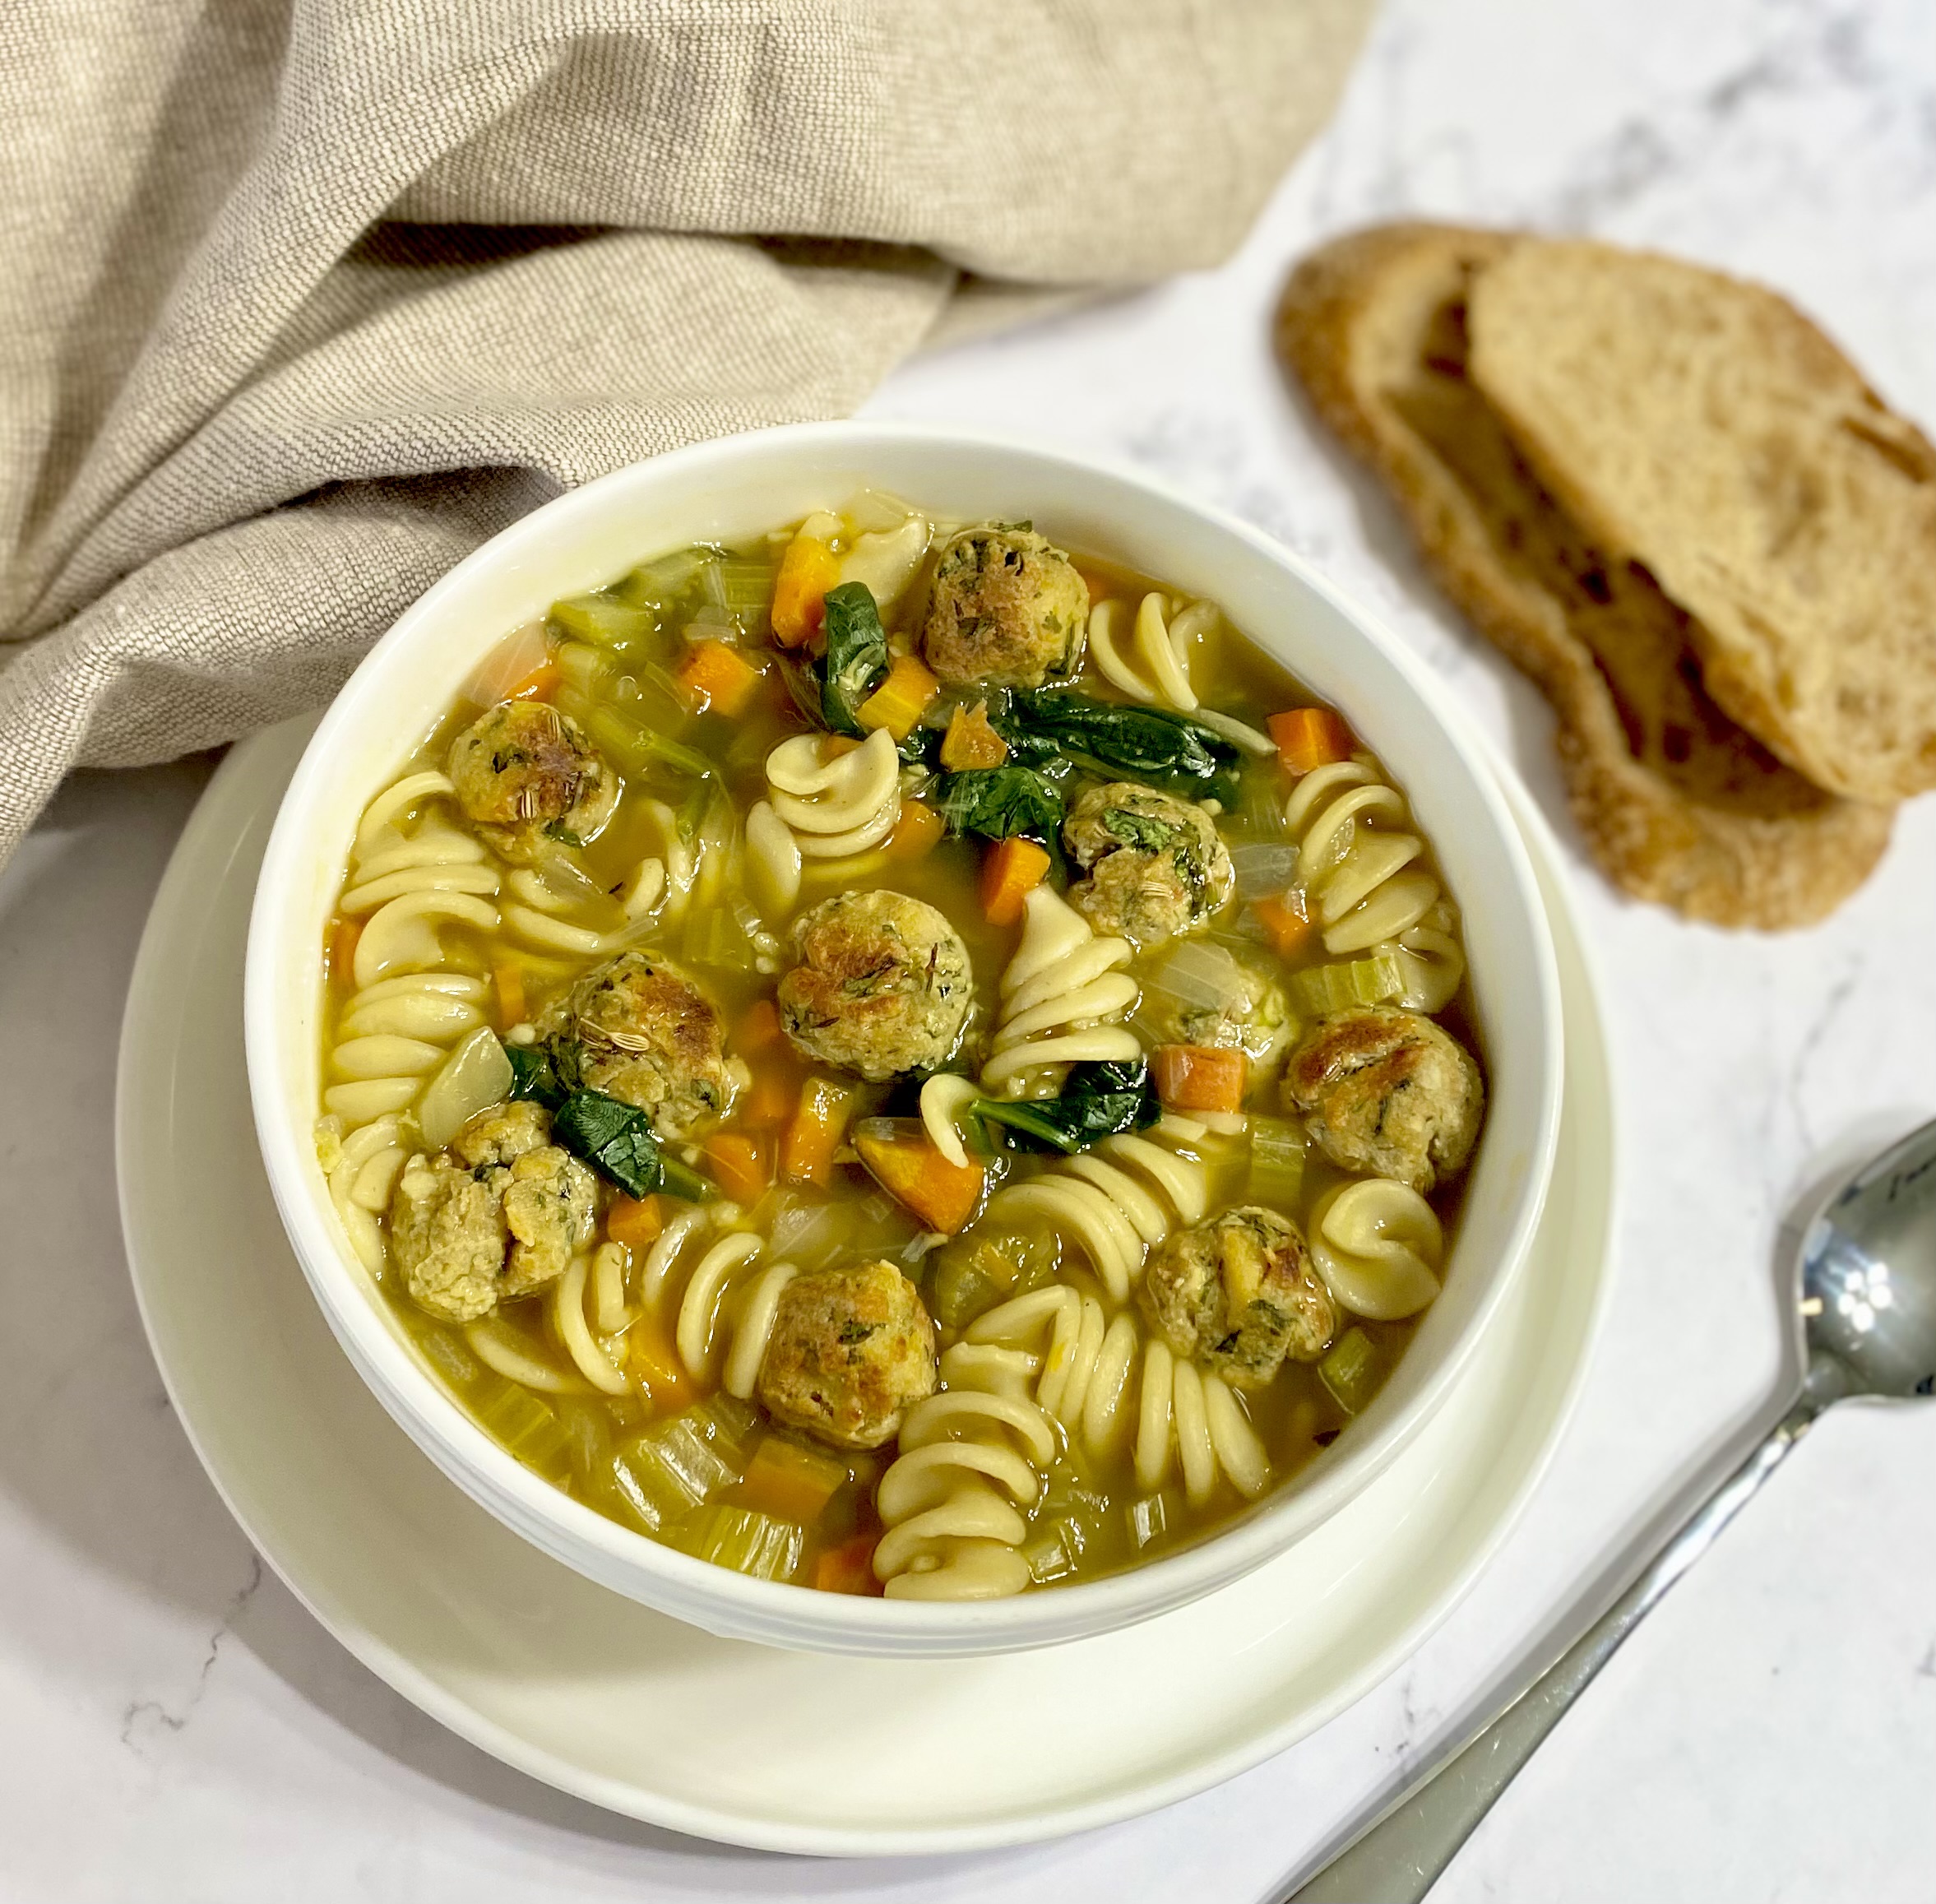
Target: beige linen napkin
301, 301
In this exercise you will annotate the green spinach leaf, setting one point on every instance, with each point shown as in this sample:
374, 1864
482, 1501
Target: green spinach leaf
856, 656
1151, 744
999, 802
1097, 1101
616, 1139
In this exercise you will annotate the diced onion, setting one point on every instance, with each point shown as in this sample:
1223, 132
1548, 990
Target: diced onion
1263, 872
475, 1076
515, 658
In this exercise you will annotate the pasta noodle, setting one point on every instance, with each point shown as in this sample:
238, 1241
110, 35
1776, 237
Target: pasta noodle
972, 1459
1195, 1418
1157, 669
723, 1299
1117, 1202
1064, 998
1084, 1365
1377, 1244
834, 803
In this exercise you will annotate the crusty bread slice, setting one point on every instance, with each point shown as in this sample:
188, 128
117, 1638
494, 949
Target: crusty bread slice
1681, 805
1705, 427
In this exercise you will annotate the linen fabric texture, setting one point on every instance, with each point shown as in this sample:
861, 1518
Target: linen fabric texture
304, 301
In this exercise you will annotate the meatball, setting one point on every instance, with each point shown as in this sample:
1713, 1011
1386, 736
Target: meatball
882, 985
1253, 1015
502, 1218
1385, 1093
448, 1236
852, 1350
1156, 865
646, 1034
1238, 1295
524, 773
1006, 610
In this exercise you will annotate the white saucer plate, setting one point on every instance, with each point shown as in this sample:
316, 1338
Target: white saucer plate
629, 1709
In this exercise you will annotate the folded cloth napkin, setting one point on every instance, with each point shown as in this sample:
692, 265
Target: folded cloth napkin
303, 301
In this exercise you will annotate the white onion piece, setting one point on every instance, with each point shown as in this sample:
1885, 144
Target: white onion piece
476, 1076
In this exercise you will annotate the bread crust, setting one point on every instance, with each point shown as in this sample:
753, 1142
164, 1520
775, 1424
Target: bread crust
1680, 804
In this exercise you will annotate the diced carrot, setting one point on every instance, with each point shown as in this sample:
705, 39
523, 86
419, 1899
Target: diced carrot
917, 832
972, 740
808, 570
509, 982
1309, 736
759, 1030
908, 1167
739, 1164
813, 1132
772, 1097
344, 933
789, 1481
635, 1221
1288, 929
848, 1568
715, 675
539, 685
1200, 1076
897, 704
1012, 870
652, 1361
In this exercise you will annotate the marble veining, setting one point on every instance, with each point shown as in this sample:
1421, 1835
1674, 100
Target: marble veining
174, 1726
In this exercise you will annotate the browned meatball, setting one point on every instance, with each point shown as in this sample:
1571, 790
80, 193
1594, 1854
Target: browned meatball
524, 773
1384, 1091
1006, 610
852, 1350
1156, 868
1238, 1295
883, 984
644, 1032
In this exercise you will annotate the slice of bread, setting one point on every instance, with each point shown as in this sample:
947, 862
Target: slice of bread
1705, 427
1681, 805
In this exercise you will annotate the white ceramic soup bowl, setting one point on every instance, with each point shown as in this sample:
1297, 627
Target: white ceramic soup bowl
724, 491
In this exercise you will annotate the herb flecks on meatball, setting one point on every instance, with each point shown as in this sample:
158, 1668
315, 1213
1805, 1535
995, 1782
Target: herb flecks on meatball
852, 1350
882, 985
1385, 1093
646, 1034
501, 1218
525, 774
1156, 868
1006, 610
1237, 1294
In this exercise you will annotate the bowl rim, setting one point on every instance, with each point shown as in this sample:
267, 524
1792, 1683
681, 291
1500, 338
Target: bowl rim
780, 1612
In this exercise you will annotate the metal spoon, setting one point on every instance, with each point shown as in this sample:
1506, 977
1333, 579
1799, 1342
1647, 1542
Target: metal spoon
1865, 1323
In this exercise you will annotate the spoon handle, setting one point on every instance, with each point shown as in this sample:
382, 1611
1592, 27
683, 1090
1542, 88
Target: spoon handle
1399, 1856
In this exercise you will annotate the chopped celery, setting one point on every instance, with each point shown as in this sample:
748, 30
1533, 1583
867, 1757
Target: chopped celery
716, 938
744, 588
962, 1292
728, 1424
1349, 1370
656, 584
529, 1428
1151, 1517
1055, 1551
1321, 988
639, 751
1277, 1163
583, 669
749, 1543
604, 619
669, 1470
446, 1353
589, 1443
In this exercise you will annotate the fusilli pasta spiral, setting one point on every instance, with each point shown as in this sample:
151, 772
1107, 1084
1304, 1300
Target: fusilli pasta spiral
821, 804
1063, 1000
1197, 1419
971, 1461
1157, 667
1082, 1364
1379, 1246
1115, 1201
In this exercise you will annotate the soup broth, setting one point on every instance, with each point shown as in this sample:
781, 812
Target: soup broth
898, 1059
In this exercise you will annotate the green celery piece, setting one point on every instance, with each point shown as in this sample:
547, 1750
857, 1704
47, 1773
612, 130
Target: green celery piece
529, 1428
745, 591
669, 1471
604, 619
1319, 989
1277, 1148
750, 1543
1151, 1517
715, 938
1349, 1370
446, 1353
659, 584
962, 1293
639, 750
728, 1425
1053, 1552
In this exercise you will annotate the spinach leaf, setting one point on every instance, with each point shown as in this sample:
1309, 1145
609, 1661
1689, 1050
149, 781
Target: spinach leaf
616, 1139
1141, 831
545, 1074
856, 656
1097, 1100
999, 802
1152, 744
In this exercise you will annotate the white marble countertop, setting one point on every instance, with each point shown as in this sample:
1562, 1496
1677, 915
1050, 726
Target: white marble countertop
174, 1726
